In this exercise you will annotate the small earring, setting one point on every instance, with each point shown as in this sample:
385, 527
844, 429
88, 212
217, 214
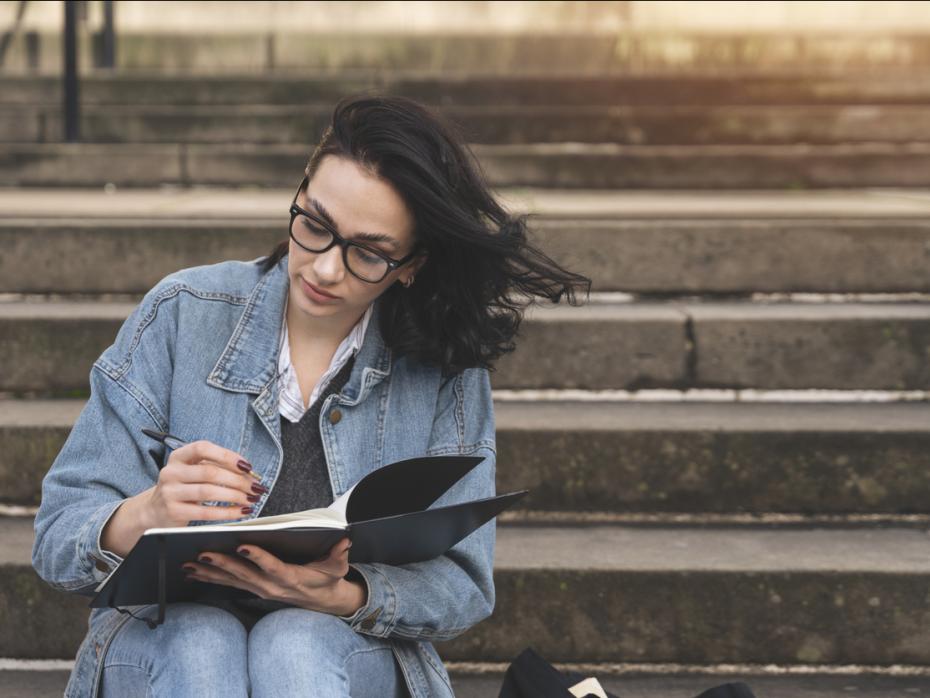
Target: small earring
408, 283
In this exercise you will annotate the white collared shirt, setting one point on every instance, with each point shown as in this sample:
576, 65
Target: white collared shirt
290, 402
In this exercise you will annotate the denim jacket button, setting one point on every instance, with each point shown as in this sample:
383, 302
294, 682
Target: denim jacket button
335, 416
369, 622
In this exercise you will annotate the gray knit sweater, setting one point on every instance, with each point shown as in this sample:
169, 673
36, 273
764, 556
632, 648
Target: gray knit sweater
303, 483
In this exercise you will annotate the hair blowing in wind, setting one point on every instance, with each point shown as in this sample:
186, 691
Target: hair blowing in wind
482, 271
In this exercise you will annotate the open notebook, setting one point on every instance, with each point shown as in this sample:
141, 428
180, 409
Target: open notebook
386, 515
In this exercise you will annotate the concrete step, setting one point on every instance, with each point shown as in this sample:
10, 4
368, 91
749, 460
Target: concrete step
672, 686
49, 347
34, 683
447, 50
572, 165
663, 257
624, 594
494, 124
611, 457
170, 204
46, 683
311, 88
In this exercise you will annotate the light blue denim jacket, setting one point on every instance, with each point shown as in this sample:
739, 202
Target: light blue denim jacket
198, 358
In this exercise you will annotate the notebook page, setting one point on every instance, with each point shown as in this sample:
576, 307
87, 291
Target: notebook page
334, 515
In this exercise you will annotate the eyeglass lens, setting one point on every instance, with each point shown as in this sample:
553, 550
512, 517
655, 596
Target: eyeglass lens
360, 262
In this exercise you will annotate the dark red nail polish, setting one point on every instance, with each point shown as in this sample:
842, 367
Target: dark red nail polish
205, 558
243, 466
246, 510
253, 497
188, 568
243, 552
259, 489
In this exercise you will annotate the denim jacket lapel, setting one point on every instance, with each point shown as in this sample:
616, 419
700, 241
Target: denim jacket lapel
250, 359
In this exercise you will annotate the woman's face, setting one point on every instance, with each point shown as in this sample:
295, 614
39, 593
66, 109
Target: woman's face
358, 204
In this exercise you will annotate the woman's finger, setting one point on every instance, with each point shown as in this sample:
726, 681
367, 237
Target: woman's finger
341, 547
201, 492
211, 473
265, 561
226, 567
336, 564
202, 449
189, 511
215, 576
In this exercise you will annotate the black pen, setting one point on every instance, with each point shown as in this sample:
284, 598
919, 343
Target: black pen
174, 443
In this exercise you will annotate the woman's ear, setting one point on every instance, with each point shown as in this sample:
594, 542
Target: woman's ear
413, 268
410, 270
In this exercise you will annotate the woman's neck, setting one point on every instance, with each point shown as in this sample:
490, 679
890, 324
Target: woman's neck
322, 332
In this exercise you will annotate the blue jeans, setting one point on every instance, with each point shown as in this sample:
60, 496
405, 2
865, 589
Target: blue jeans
204, 651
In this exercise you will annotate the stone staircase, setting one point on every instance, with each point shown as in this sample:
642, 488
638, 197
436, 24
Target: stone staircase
726, 449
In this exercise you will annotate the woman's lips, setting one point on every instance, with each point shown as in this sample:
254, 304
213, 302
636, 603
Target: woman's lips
317, 293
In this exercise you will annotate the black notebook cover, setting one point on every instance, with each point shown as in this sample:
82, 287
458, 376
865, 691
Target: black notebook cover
388, 522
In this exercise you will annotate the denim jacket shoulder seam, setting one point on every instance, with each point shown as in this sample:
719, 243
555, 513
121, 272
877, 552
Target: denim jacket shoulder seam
168, 292
138, 395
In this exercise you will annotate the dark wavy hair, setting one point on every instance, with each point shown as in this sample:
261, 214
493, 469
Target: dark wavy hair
468, 300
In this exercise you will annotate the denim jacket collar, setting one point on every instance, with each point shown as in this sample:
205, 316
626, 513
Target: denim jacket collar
250, 359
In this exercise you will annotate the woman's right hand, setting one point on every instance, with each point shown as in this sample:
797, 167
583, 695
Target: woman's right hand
198, 472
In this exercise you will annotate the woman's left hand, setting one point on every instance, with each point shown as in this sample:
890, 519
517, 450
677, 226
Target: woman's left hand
320, 585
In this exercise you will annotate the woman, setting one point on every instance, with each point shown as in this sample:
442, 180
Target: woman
363, 339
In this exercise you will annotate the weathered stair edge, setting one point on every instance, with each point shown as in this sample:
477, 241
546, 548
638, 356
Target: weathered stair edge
636, 595
581, 457
841, 346
481, 681
572, 166
734, 87
630, 125
636, 256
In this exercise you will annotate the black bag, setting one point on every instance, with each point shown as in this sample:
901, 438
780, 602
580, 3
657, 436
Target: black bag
531, 676
728, 690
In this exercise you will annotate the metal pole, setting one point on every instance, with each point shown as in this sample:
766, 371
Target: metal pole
70, 91
7, 37
109, 36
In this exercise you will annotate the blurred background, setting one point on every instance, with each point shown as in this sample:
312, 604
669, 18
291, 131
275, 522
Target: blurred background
495, 37
727, 448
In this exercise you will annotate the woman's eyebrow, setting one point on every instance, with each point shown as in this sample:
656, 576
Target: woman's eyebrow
369, 237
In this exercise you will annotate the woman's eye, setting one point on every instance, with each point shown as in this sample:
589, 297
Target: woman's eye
368, 257
314, 230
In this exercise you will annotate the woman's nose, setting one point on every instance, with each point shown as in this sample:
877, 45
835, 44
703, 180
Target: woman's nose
329, 265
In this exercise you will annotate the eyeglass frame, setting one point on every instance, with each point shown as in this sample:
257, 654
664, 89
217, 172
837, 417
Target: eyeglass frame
337, 239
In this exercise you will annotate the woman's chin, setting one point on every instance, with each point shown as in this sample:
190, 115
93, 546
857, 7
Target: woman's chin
309, 307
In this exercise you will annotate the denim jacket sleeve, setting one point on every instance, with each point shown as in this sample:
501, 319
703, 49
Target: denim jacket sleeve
441, 598
106, 458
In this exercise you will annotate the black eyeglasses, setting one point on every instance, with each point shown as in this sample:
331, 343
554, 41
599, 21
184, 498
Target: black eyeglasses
316, 235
